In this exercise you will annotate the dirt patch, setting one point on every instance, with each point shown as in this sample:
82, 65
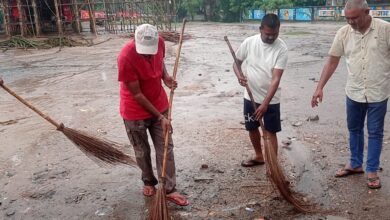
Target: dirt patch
43, 176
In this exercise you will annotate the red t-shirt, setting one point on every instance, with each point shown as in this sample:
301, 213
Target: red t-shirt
132, 67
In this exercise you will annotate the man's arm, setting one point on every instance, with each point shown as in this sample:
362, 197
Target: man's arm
1, 81
275, 81
238, 71
327, 72
139, 97
167, 79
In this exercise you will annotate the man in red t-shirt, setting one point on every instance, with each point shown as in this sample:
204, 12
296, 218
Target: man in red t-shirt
144, 105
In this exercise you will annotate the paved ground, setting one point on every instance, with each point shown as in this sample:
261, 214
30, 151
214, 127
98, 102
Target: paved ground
44, 176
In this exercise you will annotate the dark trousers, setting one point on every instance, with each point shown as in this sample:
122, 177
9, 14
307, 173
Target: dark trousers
137, 133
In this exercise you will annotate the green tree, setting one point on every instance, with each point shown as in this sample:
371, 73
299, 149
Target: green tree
272, 4
211, 10
309, 2
190, 7
1, 17
231, 10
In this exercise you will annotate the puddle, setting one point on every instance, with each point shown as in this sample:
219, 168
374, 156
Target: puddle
309, 177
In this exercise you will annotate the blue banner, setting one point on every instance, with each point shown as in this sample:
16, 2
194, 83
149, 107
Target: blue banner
286, 14
258, 14
303, 14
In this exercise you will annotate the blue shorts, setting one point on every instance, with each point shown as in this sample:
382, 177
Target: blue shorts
271, 117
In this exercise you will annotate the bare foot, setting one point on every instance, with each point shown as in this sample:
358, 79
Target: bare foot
149, 191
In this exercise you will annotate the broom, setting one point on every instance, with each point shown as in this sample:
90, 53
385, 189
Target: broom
99, 150
159, 208
274, 170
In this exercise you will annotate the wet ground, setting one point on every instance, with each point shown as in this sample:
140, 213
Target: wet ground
44, 176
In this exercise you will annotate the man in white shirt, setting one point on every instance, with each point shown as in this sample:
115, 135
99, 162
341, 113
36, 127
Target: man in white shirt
263, 58
365, 43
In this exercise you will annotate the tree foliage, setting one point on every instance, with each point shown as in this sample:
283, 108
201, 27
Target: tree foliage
272, 4
298, 3
231, 10
190, 8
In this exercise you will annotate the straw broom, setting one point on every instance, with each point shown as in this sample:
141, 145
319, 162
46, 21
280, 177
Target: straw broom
274, 171
159, 208
101, 151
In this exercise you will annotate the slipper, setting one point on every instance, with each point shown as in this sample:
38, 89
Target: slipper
178, 200
371, 181
149, 191
347, 172
252, 163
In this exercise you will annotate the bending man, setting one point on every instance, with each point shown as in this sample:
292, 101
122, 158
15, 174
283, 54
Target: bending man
144, 104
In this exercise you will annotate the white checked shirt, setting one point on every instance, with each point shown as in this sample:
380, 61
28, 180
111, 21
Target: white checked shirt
368, 60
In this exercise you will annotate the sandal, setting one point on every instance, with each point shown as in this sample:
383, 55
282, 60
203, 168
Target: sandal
177, 199
252, 163
344, 172
374, 183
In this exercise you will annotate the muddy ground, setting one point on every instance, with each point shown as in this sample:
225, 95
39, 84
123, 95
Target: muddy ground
44, 176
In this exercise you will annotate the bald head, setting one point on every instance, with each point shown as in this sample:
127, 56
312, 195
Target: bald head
356, 4
357, 14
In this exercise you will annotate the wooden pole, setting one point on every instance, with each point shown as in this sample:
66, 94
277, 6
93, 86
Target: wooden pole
121, 11
21, 22
4, 5
114, 11
169, 2
132, 28
58, 17
76, 24
36, 19
106, 14
92, 21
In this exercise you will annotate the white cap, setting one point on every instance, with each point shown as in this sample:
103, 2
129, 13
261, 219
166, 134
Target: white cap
146, 39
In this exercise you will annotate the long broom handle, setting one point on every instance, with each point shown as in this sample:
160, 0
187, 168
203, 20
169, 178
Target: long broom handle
175, 67
30, 106
242, 75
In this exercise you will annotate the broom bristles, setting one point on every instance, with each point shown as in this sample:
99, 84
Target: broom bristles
159, 207
107, 152
278, 179
104, 150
